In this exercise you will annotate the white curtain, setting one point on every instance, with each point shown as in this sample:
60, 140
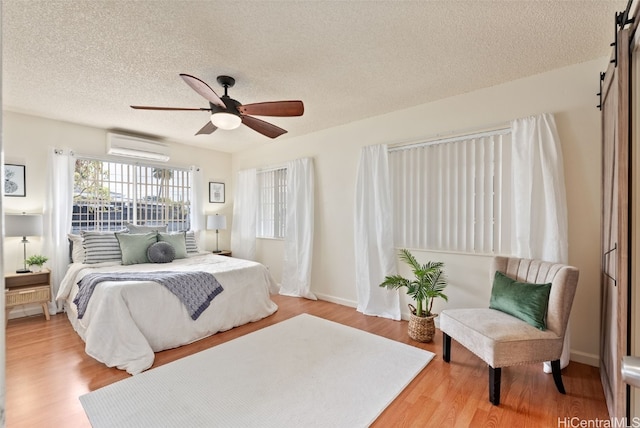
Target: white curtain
298, 243
539, 196
245, 207
196, 215
58, 209
375, 255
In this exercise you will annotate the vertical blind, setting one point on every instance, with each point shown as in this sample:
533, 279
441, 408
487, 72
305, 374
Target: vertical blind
454, 194
272, 206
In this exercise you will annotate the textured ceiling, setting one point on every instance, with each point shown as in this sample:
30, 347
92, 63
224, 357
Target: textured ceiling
87, 61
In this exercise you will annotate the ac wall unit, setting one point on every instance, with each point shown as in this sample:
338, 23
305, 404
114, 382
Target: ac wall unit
134, 147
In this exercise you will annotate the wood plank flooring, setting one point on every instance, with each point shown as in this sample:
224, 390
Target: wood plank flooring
47, 370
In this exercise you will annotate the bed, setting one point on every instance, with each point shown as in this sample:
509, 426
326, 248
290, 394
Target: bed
126, 322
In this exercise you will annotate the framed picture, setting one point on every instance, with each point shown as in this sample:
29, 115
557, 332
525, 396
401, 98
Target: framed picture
14, 180
216, 192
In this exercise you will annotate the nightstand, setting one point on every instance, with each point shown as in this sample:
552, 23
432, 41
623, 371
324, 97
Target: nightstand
223, 253
25, 288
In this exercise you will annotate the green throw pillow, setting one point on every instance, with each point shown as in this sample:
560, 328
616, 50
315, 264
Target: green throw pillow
177, 240
134, 246
523, 300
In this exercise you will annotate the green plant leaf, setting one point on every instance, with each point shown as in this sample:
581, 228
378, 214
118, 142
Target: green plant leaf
36, 259
428, 283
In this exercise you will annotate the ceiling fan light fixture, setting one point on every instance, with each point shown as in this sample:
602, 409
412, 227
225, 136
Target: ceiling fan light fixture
225, 120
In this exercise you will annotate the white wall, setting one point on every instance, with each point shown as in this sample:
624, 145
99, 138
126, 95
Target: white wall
26, 139
569, 93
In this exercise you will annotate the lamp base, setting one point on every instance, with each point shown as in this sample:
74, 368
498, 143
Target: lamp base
23, 271
216, 251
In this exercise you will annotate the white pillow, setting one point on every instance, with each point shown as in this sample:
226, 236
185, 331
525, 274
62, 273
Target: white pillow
77, 250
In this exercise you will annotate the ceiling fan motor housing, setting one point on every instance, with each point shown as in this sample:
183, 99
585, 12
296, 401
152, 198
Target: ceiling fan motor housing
232, 105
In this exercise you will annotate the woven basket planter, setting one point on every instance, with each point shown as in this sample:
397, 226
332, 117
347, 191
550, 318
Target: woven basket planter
421, 329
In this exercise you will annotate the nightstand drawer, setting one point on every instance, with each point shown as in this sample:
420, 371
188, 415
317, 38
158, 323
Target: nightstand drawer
25, 295
24, 279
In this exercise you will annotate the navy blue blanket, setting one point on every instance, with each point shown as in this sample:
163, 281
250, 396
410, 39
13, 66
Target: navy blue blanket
195, 290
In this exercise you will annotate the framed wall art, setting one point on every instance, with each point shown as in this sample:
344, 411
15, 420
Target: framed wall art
216, 192
14, 180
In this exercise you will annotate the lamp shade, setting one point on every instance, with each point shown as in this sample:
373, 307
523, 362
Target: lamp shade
225, 120
23, 224
216, 222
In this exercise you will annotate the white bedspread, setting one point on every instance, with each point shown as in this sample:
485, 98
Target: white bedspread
126, 322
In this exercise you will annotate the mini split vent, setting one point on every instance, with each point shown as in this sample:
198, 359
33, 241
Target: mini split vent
135, 147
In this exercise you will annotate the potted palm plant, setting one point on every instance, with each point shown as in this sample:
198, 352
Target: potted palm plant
428, 283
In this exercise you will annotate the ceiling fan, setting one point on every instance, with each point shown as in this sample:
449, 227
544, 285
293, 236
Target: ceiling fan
227, 113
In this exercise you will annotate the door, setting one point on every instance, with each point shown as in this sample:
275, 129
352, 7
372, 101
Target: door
615, 233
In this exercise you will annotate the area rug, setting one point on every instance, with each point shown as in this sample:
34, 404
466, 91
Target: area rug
302, 372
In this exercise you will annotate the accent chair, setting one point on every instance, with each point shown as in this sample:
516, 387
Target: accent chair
520, 326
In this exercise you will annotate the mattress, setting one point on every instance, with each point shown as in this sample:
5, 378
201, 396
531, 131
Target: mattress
126, 322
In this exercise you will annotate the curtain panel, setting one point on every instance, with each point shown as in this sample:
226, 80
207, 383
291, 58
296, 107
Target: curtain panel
540, 224
375, 255
196, 212
298, 243
58, 207
245, 207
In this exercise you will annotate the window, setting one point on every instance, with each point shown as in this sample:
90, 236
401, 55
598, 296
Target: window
107, 195
453, 195
272, 204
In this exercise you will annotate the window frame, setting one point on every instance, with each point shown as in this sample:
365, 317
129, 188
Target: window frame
131, 191
272, 203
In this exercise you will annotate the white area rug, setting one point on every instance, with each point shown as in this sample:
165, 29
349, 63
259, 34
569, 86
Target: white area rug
302, 372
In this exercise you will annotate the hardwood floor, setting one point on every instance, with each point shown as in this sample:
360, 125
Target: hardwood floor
47, 370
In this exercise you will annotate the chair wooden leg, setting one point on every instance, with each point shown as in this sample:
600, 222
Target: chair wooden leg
494, 385
446, 347
557, 376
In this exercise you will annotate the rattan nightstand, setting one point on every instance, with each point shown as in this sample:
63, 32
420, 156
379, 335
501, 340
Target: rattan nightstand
25, 288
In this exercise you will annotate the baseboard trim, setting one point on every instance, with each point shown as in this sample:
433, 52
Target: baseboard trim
338, 300
350, 303
585, 358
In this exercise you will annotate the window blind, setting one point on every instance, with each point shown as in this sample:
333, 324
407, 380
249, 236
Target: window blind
453, 194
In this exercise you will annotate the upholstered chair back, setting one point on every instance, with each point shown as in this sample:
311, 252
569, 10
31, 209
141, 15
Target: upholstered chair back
563, 279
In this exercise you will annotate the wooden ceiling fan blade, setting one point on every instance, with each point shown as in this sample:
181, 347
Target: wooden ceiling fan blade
265, 128
273, 108
203, 89
169, 108
208, 128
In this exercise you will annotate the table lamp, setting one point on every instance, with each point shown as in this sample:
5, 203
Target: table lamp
217, 222
23, 225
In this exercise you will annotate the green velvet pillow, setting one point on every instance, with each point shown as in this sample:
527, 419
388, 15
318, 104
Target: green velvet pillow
177, 240
523, 300
134, 246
